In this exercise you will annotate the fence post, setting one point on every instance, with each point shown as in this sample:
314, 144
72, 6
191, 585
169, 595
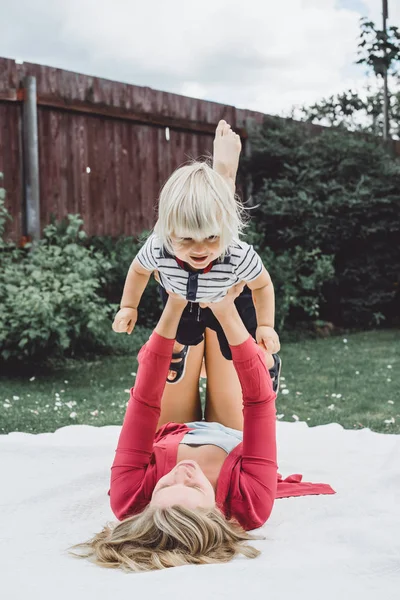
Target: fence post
31, 160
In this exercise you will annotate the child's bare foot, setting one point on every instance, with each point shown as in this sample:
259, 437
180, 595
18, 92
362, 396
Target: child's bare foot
180, 360
227, 147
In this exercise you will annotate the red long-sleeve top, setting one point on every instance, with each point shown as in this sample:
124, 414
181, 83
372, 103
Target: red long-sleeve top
248, 482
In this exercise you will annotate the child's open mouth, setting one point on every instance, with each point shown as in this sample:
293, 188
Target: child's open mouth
199, 259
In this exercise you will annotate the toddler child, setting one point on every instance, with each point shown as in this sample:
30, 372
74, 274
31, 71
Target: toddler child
195, 251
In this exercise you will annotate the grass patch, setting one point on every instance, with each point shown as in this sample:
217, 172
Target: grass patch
356, 384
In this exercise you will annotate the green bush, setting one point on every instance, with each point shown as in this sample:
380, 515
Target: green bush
338, 193
49, 294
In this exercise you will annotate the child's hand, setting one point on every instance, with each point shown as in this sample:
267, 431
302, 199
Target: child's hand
268, 338
125, 320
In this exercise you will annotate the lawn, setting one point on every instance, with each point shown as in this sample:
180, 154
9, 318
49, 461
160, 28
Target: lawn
353, 380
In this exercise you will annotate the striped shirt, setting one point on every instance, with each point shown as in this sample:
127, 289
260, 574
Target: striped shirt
241, 263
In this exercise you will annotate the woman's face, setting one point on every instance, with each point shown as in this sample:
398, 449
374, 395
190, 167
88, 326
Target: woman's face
185, 485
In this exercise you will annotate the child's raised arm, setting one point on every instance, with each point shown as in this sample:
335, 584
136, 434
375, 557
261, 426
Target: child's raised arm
135, 284
264, 302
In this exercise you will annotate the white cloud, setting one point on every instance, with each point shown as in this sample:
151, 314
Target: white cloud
266, 56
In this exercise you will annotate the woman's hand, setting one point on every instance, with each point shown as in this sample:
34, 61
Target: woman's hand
220, 308
176, 300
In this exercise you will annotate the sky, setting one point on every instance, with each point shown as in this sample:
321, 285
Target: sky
257, 54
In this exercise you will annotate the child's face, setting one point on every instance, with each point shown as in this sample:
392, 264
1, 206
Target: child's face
197, 253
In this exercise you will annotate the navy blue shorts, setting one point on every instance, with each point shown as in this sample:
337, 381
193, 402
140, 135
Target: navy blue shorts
195, 319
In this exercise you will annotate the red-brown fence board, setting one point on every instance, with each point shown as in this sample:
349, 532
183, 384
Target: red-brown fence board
11, 164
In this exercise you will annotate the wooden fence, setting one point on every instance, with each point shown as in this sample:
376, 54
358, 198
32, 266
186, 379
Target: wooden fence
105, 148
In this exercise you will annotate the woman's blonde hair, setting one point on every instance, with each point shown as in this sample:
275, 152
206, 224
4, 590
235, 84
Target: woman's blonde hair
159, 538
196, 202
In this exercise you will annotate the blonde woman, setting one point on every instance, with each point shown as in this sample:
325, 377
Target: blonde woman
188, 490
196, 252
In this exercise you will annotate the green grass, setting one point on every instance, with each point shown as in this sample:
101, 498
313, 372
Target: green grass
313, 370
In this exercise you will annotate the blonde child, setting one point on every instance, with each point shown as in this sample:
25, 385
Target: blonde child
195, 251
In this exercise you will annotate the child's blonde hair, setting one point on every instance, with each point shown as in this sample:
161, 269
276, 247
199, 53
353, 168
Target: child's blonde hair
196, 202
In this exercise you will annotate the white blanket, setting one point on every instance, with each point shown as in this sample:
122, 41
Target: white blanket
347, 546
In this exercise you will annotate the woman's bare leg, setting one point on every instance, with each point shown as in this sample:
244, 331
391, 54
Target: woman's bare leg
224, 394
181, 401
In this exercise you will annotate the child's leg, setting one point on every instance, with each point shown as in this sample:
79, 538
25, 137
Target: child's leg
227, 147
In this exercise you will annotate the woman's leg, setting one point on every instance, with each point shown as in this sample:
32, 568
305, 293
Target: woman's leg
181, 402
224, 394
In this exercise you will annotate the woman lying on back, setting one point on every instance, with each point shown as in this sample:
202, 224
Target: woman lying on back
187, 491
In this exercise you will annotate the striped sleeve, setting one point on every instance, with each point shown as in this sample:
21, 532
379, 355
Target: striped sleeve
250, 265
147, 255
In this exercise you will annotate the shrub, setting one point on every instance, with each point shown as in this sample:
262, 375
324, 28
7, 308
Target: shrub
49, 301
338, 193
298, 276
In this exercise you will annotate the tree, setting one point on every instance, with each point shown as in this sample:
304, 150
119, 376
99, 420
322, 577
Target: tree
379, 51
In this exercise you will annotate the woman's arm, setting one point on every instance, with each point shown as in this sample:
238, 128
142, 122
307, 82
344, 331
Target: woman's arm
136, 439
258, 480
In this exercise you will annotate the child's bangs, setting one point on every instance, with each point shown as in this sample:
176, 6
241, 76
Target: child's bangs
194, 223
